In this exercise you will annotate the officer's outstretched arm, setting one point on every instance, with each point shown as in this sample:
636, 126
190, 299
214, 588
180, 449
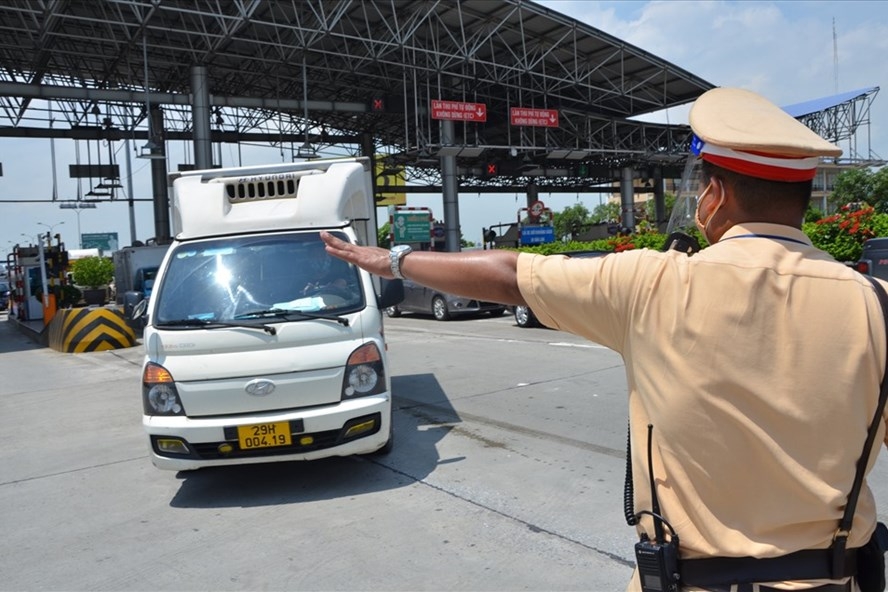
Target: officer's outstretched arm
484, 275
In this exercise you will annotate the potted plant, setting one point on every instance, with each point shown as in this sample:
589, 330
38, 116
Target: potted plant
67, 296
93, 274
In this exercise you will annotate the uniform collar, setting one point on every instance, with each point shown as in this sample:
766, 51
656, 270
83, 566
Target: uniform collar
765, 230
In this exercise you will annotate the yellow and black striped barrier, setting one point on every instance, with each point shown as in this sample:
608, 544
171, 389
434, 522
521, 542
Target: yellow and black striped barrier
79, 330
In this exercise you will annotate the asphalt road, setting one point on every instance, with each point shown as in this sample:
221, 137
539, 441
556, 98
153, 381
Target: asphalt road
507, 474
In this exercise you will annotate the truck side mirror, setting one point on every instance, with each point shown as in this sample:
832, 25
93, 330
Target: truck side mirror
134, 305
392, 293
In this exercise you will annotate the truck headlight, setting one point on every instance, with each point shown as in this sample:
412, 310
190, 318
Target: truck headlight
364, 373
159, 394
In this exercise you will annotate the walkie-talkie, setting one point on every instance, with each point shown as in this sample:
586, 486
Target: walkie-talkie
657, 559
679, 241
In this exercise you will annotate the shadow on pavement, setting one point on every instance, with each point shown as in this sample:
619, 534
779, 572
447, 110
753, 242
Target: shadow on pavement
422, 417
19, 336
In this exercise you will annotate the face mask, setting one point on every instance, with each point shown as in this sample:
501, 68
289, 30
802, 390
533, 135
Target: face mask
703, 226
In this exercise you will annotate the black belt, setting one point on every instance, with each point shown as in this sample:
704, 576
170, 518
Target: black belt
809, 564
748, 588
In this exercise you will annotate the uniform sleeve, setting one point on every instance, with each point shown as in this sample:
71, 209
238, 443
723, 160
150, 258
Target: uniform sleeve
590, 297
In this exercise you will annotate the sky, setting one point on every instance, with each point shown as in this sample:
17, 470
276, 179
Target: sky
782, 50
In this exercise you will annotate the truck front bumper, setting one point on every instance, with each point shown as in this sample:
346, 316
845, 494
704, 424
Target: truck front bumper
358, 426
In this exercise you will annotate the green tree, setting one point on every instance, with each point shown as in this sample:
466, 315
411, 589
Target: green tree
852, 186
606, 212
572, 220
880, 190
813, 214
649, 209
384, 236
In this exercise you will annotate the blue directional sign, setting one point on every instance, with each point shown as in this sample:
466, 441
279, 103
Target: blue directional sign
537, 235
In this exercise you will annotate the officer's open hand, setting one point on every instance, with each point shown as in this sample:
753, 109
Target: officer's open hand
373, 259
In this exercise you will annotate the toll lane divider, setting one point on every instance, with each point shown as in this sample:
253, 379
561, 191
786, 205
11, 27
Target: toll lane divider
79, 330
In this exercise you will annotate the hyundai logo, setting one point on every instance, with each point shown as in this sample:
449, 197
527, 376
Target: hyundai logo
259, 387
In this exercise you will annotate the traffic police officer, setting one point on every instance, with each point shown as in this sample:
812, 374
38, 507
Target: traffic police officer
757, 360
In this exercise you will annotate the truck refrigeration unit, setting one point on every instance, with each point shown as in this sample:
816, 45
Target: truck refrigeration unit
259, 346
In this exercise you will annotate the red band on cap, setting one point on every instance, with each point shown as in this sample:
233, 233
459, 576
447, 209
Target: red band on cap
760, 170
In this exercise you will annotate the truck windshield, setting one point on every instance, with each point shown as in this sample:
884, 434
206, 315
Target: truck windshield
225, 279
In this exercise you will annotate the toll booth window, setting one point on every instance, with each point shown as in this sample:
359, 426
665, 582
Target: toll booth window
223, 280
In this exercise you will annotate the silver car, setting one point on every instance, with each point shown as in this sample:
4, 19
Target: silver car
442, 306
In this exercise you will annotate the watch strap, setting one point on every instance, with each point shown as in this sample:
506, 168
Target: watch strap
395, 256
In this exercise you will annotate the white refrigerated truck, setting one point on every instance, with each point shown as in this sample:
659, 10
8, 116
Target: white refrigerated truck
258, 345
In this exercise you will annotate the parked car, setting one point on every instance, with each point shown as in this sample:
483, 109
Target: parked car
442, 306
4, 294
874, 259
524, 317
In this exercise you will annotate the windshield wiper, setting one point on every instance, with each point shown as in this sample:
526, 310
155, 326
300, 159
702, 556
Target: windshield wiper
289, 314
211, 324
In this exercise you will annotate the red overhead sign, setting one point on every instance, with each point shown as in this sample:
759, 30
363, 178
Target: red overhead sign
533, 117
457, 111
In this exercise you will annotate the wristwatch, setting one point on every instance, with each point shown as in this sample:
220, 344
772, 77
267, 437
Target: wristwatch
397, 253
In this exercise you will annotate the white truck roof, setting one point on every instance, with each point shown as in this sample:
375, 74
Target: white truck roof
314, 194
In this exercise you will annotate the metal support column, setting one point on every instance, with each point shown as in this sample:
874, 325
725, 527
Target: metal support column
200, 115
533, 193
627, 199
368, 151
450, 190
131, 208
159, 180
659, 199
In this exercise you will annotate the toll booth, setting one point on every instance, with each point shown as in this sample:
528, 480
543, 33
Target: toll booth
25, 283
32, 292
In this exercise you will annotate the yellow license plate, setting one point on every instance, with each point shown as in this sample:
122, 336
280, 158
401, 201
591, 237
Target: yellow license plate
264, 435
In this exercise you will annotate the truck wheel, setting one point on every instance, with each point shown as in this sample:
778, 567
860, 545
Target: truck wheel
392, 311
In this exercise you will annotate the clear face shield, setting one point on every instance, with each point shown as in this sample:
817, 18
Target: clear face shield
682, 226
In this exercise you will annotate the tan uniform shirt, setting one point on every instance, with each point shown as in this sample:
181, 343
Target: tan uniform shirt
758, 362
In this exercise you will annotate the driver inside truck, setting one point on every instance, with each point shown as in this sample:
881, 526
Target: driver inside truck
323, 272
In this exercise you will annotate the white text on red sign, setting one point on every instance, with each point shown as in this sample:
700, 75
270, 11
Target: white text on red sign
458, 111
533, 117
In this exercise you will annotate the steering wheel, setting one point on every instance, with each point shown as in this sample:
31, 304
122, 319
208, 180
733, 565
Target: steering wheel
331, 289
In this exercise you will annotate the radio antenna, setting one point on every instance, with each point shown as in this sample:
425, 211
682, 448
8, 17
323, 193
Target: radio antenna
655, 501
